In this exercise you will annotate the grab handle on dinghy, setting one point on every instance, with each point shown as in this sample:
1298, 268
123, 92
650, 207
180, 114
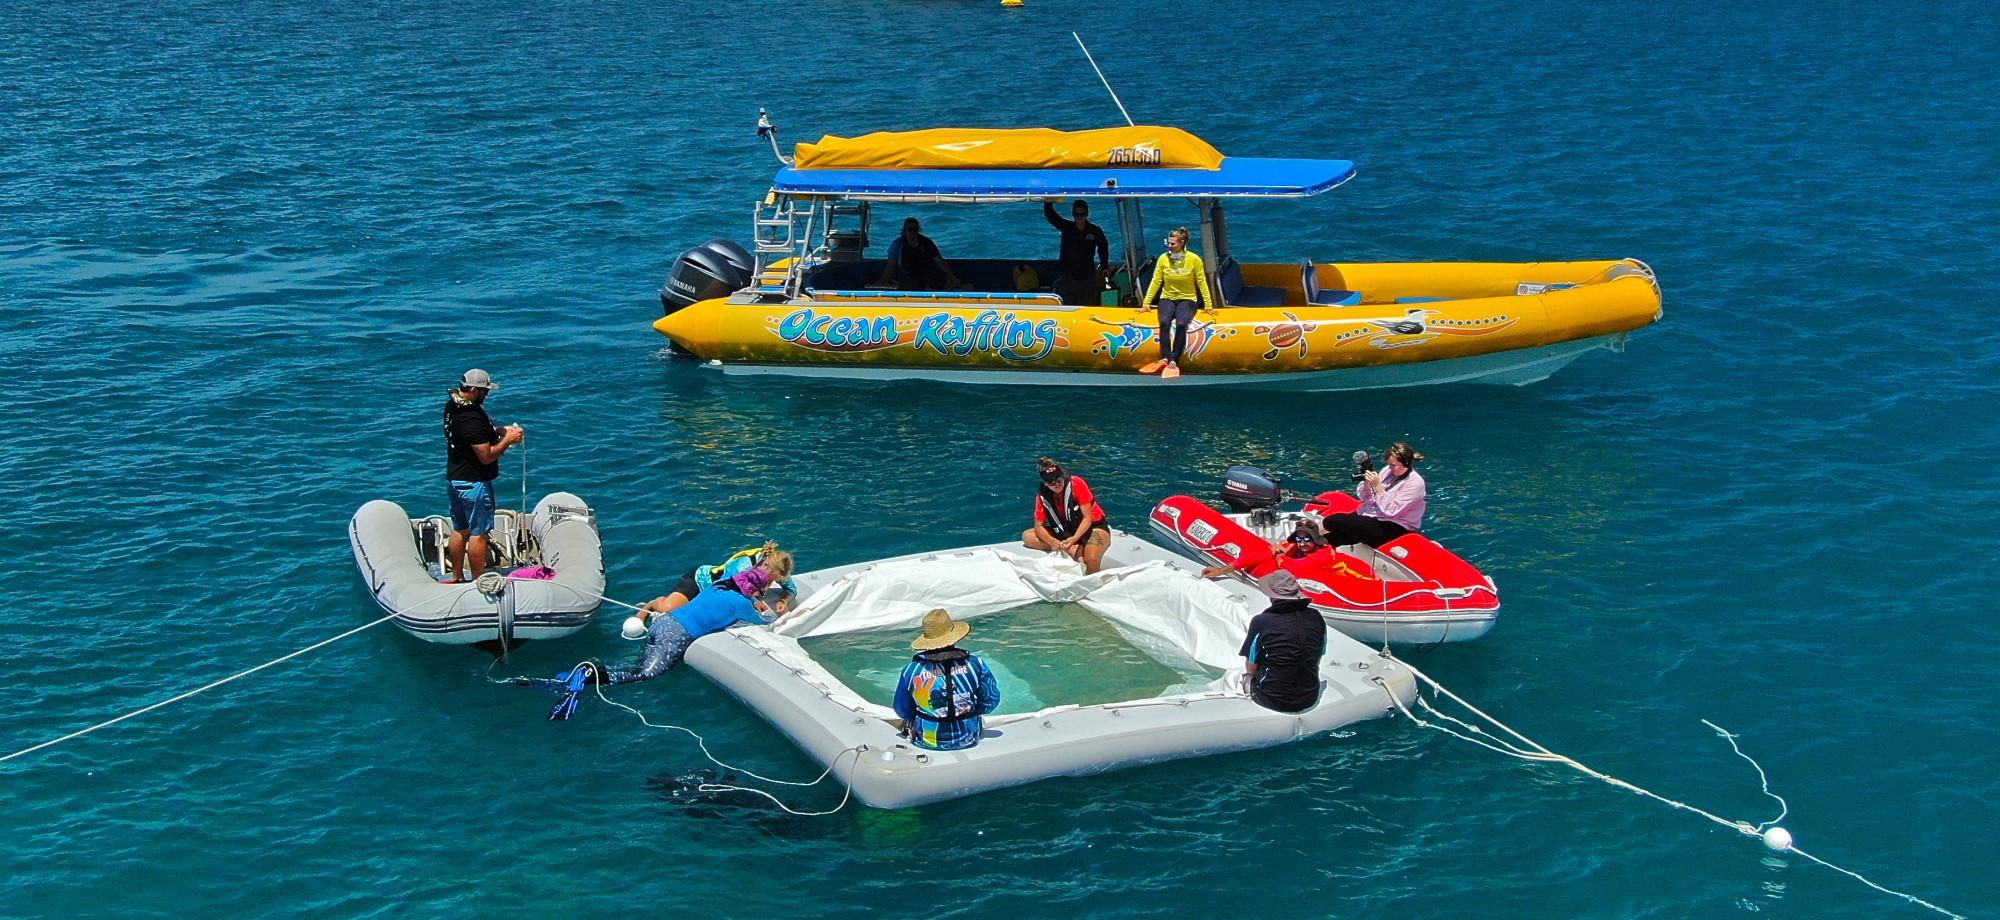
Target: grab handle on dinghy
506, 605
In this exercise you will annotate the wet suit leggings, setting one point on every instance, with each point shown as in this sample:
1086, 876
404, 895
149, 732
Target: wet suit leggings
1175, 315
666, 644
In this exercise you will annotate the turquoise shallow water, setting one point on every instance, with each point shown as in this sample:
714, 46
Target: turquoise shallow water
245, 247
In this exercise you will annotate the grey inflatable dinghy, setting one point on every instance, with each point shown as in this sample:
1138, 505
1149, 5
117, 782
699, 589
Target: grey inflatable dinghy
518, 599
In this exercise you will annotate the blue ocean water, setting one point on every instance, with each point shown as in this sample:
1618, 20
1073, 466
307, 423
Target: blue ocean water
245, 248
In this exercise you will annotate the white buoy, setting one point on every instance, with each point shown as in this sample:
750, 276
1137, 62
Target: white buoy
634, 628
1778, 839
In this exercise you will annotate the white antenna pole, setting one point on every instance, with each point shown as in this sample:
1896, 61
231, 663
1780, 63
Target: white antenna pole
1100, 79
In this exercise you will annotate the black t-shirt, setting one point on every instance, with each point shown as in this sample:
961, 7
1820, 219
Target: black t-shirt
918, 259
1084, 250
465, 425
1286, 642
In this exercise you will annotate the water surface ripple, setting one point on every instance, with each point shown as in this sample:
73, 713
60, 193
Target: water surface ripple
247, 246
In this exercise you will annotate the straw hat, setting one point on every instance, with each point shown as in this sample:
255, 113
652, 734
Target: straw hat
940, 630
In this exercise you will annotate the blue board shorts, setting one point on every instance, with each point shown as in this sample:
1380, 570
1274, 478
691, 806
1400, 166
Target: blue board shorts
471, 506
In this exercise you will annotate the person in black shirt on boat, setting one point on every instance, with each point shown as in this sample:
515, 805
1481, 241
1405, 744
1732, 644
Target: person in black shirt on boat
472, 448
1281, 653
915, 264
1082, 278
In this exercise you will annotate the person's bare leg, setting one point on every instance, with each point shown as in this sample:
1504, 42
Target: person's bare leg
1033, 540
1093, 551
455, 555
475, 547
659, 605
669, 603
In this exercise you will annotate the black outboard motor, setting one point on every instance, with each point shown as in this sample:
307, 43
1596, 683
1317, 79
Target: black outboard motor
1248, 489
717, 268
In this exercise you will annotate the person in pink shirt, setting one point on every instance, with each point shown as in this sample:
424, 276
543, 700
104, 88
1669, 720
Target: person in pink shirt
1392, 502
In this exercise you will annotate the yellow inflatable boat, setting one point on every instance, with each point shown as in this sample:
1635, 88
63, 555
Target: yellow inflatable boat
804, 299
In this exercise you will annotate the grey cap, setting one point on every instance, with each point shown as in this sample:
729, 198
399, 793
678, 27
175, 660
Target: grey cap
1279, 586
477, 378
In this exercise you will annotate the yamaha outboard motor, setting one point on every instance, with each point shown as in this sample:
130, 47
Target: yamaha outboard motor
717, 268
1250, 489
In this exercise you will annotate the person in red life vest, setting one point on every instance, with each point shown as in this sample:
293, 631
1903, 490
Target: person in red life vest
1304, 541
1068, 519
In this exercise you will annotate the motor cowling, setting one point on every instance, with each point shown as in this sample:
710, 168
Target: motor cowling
716, 268
1247, 488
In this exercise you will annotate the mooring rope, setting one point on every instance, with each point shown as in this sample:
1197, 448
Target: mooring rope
1776, 838
701, 742
240, 674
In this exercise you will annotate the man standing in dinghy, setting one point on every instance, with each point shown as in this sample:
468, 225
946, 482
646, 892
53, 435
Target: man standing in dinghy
1068, 519
472, 448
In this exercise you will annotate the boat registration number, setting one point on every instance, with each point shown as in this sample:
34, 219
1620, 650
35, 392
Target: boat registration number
1201, 530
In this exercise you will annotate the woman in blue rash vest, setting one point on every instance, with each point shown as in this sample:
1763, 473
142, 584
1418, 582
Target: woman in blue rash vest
701, 577
737, 599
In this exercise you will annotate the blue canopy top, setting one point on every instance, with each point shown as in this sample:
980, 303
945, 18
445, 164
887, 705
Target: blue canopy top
1238, 177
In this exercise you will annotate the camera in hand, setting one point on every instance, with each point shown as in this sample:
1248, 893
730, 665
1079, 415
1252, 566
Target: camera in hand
1363, 465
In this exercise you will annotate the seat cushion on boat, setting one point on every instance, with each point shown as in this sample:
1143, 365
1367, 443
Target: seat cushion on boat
1229, 275
1309, 283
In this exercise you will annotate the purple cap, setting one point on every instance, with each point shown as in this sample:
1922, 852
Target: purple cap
751, 581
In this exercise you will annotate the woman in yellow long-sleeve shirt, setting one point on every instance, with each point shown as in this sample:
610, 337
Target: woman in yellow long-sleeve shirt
1179, 283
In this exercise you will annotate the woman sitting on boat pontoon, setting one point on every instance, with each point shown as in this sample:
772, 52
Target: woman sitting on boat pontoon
1179, 282
1392, 502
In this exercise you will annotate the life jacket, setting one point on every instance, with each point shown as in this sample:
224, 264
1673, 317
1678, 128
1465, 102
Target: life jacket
1026, 278
717, 574
949, 664
1063, 513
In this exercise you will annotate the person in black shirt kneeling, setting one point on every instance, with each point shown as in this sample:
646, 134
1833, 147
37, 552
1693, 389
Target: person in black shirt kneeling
1282, 652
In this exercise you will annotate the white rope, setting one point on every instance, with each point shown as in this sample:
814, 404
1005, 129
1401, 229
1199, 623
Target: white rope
1784, 808
240, 674
725, 787
703, 744
1100, 78
1529, 750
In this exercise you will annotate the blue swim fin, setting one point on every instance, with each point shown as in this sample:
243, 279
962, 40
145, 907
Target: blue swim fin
570, 684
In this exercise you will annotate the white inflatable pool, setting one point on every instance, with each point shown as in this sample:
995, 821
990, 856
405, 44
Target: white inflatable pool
1155, 600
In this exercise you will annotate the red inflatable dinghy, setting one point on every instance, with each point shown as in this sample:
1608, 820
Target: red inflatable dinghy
1410, 590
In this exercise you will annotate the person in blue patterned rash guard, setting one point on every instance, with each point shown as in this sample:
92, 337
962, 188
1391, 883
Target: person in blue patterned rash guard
944, 689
